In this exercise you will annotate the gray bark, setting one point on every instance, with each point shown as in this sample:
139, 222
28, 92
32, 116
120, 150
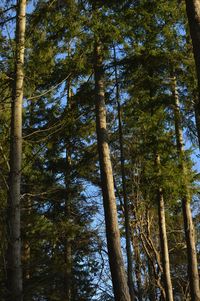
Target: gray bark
14, 268
68, 200
68, 246
137, 260
118, 274
163, 240
187, 216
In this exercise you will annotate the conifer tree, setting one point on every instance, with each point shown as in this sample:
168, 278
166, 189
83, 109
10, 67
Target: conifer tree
14, 268
187, 215
193, 13
120, 286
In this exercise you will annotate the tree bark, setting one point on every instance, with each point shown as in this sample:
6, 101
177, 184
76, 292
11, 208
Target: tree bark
14, 269
124, 190
187, 216
137, 260
193, 13
68, 243
163, 240
26, 249
118, 274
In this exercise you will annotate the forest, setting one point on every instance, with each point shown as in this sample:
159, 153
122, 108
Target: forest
99, 150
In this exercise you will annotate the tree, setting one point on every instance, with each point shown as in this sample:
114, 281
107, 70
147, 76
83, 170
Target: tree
193, 13
14, 268
187, 215
163, 238
125, 199
119, 280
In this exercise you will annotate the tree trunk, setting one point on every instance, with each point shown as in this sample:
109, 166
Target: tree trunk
135, 233
137, 260
118, 274
163, 240
193, 13
14, 268
126, 206
68, 244
26, 249
187, 216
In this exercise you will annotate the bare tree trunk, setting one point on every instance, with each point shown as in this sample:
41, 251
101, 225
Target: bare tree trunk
163, 239
26, 250
14, 268
187, 216
138, 275
135, 234
118, 274
126, 205
68, 243
193, 13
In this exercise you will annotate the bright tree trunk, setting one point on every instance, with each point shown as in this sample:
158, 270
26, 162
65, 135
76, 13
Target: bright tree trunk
163, 240
187, 216
14, 267
193, 13
118, 274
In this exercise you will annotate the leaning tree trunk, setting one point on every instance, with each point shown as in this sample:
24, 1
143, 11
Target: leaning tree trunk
163, 239
14, 268
124, 190
193, 13
118, 274
187, 216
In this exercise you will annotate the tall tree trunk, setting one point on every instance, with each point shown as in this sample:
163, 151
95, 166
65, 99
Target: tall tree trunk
163, 239
124, 190
14, 268
26, 250
118, 274
187, 216
193, 13
68, 244
135, 233
137, 260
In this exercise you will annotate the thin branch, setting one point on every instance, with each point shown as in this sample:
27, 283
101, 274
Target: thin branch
51, 89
